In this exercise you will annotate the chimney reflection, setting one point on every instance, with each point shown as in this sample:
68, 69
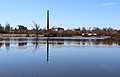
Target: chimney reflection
47, 52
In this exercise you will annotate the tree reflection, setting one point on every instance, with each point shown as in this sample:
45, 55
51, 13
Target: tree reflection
36, 42
1, 44
7, 45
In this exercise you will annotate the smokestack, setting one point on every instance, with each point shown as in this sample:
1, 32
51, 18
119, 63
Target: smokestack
47, 19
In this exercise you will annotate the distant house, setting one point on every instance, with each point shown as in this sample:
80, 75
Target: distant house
75, 29
89, 34
21, 29
57, 29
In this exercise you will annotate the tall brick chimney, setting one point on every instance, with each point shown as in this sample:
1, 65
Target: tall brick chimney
47, 19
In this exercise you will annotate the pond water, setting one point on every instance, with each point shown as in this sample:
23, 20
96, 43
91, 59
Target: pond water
59, 57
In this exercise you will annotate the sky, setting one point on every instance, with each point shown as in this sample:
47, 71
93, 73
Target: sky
63, 13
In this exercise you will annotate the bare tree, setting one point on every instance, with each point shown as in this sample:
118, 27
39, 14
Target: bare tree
36, 28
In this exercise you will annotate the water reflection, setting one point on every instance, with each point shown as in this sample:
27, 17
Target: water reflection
22, 43
1, 44
47, 50
36, 42
7, 45
65, 57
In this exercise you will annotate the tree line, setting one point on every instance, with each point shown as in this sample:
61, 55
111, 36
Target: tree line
60, 32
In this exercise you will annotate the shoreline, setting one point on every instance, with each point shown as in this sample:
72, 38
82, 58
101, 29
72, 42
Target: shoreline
2, 36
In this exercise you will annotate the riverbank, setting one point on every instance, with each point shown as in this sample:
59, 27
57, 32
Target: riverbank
114, 38
19, 35
72, 37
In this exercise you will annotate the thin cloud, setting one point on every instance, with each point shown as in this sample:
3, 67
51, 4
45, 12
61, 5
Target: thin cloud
109, 4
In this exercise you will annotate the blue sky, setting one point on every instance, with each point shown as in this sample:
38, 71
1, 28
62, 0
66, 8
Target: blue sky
68, 13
